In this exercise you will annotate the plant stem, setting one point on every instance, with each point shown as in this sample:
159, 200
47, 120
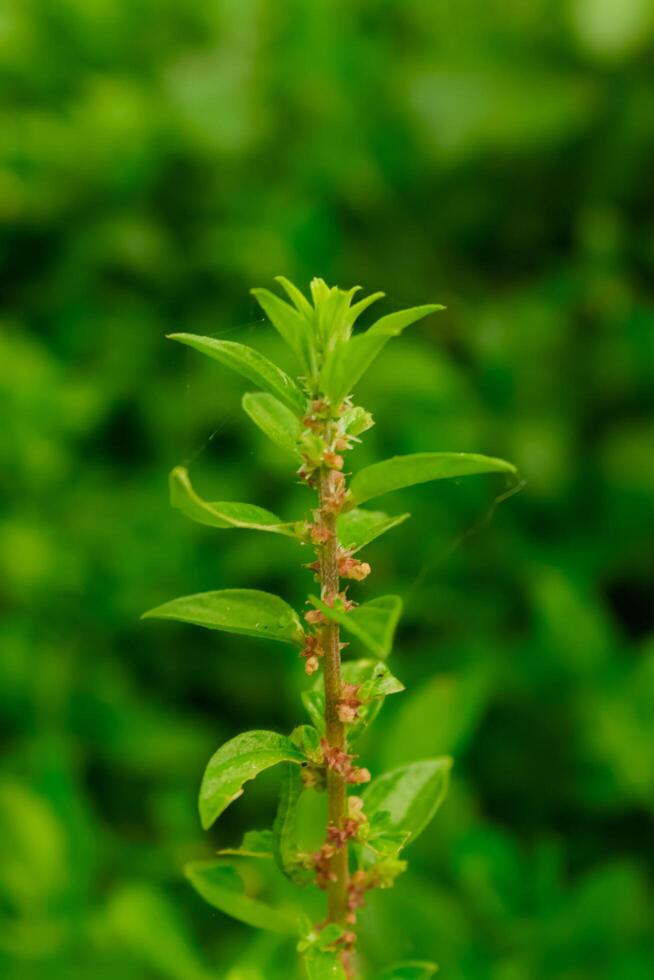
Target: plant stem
334, 728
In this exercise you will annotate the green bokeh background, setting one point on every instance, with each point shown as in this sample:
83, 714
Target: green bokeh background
160, 157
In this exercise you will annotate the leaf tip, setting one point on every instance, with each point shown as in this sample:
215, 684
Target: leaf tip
206, 817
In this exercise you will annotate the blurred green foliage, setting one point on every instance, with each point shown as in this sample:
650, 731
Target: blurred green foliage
158, 158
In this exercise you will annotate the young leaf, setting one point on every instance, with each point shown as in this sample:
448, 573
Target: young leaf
251, 364
236, 762
410, 794
223, 515
350, 361
274, 419
220, 885
375, 683
306, 740
359, 527
291, 326
285, 846
246, 611
323, 964
404, 471
255, 843
409, 970
373, 622
355, 311
297, 297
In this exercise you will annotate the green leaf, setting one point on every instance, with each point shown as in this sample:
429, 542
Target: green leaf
306, 739
223, 515
297, 297
359, 527
355, 311
246, 611
285, 845
251, 364
373, 622
274, 419
375, 682
409, 970
410, 794
291, 326
322, 964
350, 361
255, 843
235, 763
220, 885
405, 471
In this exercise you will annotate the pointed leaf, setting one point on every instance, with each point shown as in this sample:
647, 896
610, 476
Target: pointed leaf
297, 297
355, 311
285, 845
404, 471
256, 844
274, 419
411, 794
251, 364
359, 527
375, 683
350, 361
221, 514
220, 885
236, 762
373, 622
246, 611
409, 970
291, 326
322, 964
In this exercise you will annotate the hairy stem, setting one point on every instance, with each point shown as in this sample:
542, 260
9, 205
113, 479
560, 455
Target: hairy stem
334, 728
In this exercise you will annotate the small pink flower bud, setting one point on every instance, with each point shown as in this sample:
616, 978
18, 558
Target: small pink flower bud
319, 534
315, 618
346, 714
333, 460
349, 567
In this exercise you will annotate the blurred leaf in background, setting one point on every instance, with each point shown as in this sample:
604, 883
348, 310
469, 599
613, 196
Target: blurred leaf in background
160, 158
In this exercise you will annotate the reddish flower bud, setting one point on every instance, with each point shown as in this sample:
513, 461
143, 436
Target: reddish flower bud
315, 618
346, 714
333, 460
319, 534
349, 567
349, 703
357, 776
319, 406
